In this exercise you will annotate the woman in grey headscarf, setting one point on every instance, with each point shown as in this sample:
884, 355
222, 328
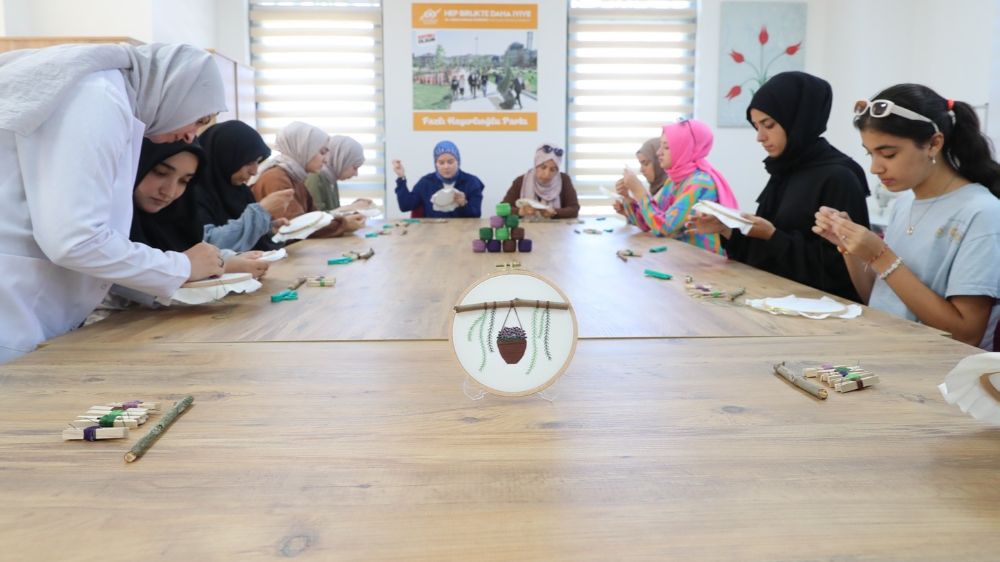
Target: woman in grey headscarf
345, 157
302, 150
65, 240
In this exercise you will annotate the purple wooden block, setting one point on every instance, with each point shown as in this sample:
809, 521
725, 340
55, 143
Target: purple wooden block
493, 246
524, 245
478, 246
496, 222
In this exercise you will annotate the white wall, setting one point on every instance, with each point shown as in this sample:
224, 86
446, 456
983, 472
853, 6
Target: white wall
184, 21
497, 158
131, 18
232, 29
861, 47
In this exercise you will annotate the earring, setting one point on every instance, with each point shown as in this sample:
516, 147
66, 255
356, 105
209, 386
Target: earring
933, 160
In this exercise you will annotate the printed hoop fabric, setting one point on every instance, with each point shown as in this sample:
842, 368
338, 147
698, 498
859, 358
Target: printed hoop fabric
478, 347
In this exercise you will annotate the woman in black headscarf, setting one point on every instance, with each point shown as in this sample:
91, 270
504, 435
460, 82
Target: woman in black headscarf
226, 207
164, 214
790, 112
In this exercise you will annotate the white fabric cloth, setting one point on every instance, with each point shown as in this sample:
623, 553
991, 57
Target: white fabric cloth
168, 86
296, 145
66, 192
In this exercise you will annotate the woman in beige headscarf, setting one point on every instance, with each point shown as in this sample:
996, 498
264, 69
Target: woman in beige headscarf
342, 163
65, 238
301, 150
649, 167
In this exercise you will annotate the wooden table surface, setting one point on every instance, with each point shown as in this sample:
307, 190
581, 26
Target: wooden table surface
407, 290
679, 449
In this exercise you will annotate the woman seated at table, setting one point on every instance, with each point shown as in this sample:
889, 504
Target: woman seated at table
790, 112
938, 262
683, 149
164, 209
302, 149
342, 163
226, 207
546, 186
447, 192
649, 167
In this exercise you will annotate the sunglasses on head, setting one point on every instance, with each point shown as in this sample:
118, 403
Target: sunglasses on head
552, 150
883, 108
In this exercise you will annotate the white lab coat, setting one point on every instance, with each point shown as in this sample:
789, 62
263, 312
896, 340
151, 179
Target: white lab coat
66, 199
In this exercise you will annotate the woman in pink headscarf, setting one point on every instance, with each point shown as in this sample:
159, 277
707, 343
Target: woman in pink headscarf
683, 148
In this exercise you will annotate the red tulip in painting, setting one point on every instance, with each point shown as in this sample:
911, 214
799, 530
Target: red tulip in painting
760, 70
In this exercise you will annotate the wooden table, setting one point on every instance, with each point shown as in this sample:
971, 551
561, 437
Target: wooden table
406, 291
679, 449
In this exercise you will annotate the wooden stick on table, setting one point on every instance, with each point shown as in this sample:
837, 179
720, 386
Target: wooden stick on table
800, 381
147, 441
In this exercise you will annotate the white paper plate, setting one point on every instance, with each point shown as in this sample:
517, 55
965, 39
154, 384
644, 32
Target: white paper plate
806, 306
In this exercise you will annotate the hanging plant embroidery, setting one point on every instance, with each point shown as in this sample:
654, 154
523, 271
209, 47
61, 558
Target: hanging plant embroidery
512, 341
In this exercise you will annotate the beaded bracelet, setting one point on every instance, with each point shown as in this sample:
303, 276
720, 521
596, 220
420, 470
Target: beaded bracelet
895, 265
880, 254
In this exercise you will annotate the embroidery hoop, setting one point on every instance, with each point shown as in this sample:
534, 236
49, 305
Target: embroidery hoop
531, 203
300, 223
498, 377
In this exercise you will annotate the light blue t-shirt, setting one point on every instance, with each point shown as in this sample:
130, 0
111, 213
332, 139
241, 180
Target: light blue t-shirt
954, 248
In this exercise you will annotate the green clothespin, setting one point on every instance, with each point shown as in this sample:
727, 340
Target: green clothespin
371, 235
387, 226
411, 221
340, 261
658, 249
286, 295
658, 274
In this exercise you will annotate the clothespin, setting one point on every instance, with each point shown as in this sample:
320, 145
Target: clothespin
372, 235
321, 281
354, 254
286, 295
601, 218
627, 253
92, 432
658, 274
298, 283
658, 249
411, 221
591, 231
339, 261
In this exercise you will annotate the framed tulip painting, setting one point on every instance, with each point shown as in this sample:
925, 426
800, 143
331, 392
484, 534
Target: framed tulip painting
756, 41
514, 333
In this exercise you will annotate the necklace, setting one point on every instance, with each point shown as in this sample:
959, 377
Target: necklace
913, 225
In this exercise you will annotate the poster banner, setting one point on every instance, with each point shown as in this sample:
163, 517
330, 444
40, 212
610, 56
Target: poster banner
475, 67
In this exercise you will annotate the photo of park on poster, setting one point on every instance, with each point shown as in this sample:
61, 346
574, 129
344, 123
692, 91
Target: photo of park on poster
474, 70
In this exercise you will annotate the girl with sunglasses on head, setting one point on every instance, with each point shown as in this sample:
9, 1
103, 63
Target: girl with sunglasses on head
790, 112
546, 184
302, 150
682, 150
448, 191
938, 262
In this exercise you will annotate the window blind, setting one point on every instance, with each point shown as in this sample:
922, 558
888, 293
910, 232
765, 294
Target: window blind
631, 71
320, 62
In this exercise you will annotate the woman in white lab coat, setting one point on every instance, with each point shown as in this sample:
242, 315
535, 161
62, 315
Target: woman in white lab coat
72, 122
